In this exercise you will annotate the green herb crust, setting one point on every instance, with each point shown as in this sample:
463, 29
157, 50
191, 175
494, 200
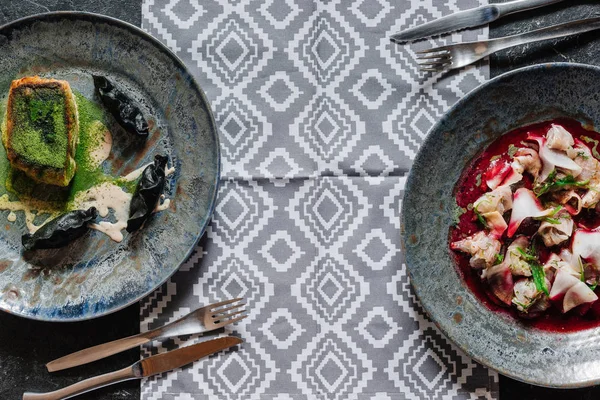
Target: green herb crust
41, 129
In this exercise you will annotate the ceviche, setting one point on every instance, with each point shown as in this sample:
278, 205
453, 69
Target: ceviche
527, 233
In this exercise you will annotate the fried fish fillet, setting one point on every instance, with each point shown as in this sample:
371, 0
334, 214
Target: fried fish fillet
41, 129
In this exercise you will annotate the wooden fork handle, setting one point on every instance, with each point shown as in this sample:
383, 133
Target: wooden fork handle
96, 353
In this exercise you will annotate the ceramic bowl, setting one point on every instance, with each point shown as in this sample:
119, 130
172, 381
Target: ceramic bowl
94, 276
497, 340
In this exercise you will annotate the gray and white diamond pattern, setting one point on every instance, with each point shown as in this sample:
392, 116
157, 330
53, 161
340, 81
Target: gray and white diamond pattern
320, 117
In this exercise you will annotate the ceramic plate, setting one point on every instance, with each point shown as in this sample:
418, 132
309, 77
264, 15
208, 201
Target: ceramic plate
94, 276
521, 97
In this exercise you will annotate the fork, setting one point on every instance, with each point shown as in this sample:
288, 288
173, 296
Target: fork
453, 56
202, 320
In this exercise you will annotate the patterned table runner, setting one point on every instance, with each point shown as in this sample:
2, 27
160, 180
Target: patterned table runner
320, 117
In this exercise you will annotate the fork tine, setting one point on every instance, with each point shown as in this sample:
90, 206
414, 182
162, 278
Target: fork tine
426, 51
433, 50
223, 310
433, 64
231, 321
431, 69
432, 56
223, 303
224, 317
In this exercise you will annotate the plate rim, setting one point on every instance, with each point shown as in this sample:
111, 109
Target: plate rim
96, 17
403, 239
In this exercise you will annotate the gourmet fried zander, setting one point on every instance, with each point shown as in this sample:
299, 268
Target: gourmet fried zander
41, 129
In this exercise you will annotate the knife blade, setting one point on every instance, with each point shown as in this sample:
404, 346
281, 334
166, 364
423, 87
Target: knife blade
147, 367
468, 19
185, 355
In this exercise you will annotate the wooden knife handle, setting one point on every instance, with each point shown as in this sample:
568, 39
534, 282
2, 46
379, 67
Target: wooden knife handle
96, 353
87, 385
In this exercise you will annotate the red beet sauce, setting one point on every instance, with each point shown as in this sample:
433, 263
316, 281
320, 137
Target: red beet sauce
472, 185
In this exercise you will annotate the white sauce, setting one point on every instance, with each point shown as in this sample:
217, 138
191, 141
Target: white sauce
104, 197
112, 230
31, 211
133, 175
162, 204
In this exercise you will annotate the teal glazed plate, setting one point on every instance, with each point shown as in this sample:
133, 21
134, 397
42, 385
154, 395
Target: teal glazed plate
497, 340
93, 275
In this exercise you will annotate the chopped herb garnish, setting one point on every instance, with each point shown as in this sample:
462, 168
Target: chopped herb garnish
583, 155
523, 306
537, 270
531, 302
526, 256
553, 184
478, 180
556, 210
457, 212
550, 218
545, 186
581, 269
593, 287
481, 219
588, 139
499, 259
512, 149
539, 277
494, 158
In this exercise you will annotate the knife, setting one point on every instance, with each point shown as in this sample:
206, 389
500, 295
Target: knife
468, 19
141, 369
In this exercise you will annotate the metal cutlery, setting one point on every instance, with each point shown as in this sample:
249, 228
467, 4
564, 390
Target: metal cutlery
468, 19
202, 320
459, 55
149, 366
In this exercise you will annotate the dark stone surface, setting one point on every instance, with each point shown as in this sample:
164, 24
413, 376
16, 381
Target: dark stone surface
25, 346
579, 48
127, 10
583, 48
